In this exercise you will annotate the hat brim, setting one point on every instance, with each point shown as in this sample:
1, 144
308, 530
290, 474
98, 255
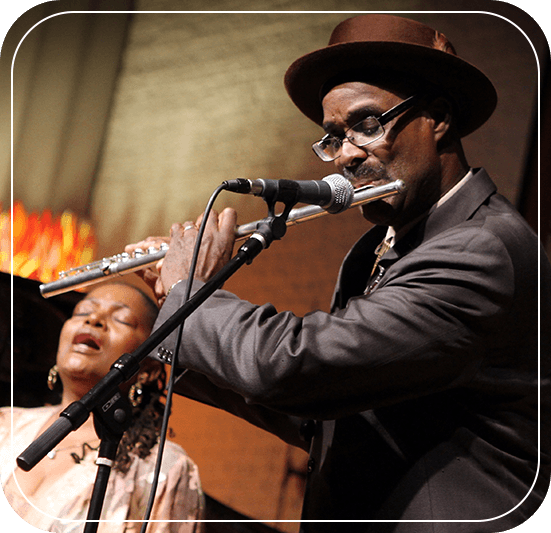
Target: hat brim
471, 90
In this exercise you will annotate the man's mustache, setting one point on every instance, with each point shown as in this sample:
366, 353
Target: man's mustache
369, 173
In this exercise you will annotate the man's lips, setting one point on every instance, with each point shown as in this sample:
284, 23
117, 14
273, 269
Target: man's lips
358, 184
87, 340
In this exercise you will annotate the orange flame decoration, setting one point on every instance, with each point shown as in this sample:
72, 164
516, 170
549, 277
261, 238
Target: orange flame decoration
44, 245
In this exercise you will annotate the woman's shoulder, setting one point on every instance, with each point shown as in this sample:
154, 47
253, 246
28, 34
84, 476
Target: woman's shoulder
176, 462
174, 454
24, 415
28, 411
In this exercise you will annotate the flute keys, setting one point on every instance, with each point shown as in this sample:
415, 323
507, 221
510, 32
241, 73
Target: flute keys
138, 252
105, 264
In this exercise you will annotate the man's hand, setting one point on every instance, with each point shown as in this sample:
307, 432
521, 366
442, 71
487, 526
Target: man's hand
216, 250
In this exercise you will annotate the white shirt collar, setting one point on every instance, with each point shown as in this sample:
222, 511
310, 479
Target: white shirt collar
391, 232
454, 189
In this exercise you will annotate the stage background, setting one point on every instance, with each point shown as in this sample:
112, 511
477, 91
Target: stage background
132, 119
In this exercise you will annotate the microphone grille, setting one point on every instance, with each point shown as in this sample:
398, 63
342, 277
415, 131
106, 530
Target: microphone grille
343, 193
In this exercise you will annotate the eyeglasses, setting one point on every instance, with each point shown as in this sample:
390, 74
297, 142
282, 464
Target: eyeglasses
363, 133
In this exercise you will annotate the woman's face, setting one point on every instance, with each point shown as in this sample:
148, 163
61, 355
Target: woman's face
110, 321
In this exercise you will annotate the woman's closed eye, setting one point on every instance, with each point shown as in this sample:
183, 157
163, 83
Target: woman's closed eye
118, 313
125, 317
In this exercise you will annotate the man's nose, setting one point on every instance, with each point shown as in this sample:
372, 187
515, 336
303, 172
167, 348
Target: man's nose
350, 154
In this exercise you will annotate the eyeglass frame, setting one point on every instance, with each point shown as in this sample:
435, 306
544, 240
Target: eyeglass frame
382, 119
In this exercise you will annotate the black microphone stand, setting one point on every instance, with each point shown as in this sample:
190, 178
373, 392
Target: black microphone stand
112, 412
110, 422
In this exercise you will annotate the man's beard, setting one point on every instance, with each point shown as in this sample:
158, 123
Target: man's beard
379, 212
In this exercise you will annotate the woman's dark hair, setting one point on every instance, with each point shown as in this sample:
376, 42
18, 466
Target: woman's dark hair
143, 434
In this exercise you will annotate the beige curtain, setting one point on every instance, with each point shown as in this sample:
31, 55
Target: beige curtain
65, 67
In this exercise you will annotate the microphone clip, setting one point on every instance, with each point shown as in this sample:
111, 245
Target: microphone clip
286, 192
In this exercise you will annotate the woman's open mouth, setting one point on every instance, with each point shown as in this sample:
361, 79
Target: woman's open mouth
86, 342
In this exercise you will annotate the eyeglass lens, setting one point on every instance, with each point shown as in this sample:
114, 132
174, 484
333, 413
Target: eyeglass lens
364, 132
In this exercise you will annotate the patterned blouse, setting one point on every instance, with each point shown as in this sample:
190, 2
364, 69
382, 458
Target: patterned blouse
178, 498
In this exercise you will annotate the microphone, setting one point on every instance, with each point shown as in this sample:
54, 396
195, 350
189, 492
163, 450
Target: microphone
333, 193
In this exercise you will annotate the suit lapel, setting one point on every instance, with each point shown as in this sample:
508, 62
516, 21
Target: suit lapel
357, 265
458, 209
355, 270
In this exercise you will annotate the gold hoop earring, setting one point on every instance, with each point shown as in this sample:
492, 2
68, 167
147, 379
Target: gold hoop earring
135, 394
53, 374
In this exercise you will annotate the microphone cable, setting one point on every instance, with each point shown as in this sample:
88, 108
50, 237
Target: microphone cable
172, 375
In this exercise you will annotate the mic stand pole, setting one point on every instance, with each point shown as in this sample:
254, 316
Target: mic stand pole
105, 396
110, 422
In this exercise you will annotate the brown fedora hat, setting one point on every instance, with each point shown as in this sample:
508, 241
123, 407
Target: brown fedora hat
376, 43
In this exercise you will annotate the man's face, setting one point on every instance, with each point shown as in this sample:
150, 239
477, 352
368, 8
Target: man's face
407, 151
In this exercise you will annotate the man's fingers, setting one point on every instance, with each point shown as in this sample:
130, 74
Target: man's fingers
227, 221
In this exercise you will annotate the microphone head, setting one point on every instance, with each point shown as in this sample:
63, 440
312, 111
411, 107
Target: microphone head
342, 191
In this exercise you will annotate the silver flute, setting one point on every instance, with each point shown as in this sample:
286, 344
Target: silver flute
121, 264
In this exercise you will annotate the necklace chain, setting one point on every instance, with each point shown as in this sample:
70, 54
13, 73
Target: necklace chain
76, 458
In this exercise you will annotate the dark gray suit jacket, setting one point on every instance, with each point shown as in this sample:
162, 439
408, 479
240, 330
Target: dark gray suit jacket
418, 401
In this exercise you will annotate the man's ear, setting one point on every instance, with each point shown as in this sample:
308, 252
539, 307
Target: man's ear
441, 111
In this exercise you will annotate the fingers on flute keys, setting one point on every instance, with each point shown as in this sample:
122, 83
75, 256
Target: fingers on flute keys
149, 245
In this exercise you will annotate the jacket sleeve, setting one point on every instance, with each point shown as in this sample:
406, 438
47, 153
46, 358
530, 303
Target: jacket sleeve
428, 327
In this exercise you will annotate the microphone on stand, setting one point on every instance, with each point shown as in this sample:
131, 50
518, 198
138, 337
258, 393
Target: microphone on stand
333, 193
